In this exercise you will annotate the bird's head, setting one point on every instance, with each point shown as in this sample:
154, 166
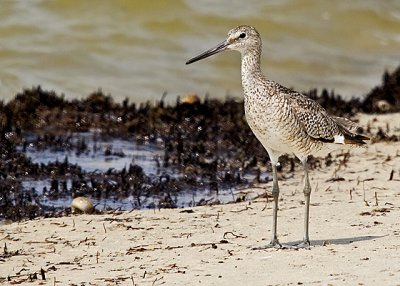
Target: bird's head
242, 38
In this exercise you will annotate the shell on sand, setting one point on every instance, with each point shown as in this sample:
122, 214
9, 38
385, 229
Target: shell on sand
190, 98
82, 205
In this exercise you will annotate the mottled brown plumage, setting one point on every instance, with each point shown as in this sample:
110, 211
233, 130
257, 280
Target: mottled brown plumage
284, 121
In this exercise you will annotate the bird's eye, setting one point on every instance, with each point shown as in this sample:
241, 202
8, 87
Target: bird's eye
242, 35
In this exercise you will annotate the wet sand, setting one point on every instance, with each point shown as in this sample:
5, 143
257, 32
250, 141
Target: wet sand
354, 231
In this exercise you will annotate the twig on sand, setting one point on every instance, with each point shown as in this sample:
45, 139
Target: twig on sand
235, 235
365, 201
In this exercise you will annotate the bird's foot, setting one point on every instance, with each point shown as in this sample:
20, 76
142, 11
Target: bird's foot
277, 245
303, 245
273, 244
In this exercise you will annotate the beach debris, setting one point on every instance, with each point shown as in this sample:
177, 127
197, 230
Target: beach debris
42, 273
190, 98
382, 105
188, 211
233, 234
336, 179
391, 175
82, 205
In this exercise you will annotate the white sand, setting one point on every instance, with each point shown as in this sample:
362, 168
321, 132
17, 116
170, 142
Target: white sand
355, 235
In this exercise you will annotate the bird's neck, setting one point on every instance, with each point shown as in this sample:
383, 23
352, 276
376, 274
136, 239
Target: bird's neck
252, 75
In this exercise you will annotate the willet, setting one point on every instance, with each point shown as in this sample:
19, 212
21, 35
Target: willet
284, 121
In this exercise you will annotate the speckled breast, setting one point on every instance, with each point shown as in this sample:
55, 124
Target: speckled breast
276, 127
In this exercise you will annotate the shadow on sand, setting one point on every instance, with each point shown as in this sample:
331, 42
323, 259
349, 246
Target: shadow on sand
339, 241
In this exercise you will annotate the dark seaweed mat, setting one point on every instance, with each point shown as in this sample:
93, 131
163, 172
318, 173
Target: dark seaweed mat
209, 143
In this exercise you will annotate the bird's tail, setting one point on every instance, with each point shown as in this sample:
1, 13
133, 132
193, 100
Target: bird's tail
355, 139
349, 130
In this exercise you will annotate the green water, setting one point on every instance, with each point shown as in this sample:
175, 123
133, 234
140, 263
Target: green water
138, 49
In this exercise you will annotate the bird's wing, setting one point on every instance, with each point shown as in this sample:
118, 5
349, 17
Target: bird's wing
316, 122
347, 123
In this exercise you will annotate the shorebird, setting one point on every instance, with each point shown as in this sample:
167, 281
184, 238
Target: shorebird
284, 121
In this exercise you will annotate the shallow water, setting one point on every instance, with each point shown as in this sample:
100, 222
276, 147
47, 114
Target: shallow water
121, 154
137, 49
95, 159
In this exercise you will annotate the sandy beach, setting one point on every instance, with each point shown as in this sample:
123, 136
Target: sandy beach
354, 232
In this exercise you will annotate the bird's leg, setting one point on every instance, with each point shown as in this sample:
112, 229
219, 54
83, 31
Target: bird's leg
307, 194
275, 193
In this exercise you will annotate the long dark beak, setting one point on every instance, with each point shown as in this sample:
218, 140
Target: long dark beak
219, 48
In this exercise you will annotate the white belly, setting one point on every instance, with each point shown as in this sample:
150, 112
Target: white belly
271, 138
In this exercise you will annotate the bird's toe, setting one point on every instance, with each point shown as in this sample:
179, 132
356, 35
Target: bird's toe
273, 244
303, 245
